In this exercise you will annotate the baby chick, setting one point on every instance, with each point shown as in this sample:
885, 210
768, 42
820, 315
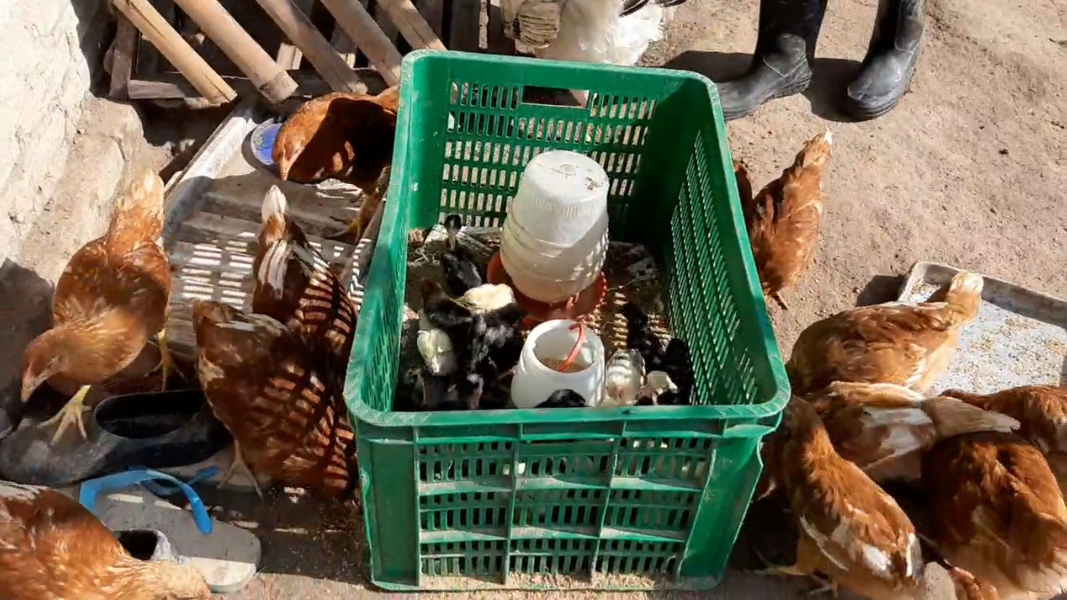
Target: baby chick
563, 398
622, 378
640, 337
461, 272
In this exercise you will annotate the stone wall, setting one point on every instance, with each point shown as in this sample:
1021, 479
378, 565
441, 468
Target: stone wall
63, 152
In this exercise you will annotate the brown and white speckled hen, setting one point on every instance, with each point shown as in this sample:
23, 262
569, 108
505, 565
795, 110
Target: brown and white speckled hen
850, 529
883, 428
288, 421
998, 513
345, 136
52, 548
906, 343
1042, 412
296, 286
783, 218
110, 300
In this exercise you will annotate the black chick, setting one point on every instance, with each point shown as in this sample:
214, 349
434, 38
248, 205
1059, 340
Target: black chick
679, 367
486, 345
461, 272
492, 350
563, 398
640, 337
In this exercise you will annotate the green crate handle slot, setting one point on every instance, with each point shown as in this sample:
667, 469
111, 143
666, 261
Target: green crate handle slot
499, 495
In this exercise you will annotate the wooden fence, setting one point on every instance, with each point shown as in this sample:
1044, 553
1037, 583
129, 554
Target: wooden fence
366, 39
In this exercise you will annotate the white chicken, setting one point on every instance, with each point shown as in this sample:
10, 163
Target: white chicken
615, 32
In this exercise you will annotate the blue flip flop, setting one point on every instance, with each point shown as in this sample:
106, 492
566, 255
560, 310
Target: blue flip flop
94, 487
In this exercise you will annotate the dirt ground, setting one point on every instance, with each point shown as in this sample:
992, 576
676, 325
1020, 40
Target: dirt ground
969, 170
941, 178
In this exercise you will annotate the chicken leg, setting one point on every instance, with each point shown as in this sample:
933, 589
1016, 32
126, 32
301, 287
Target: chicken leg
355, 228
71, 411
777, 297
166, 359
238, 461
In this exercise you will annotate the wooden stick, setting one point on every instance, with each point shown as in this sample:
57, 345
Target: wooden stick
172, 85
123, 49
344, 45
412, 26
271, 80
433, 12
362, 30
298, 28
289, 56
466, 25
160, 34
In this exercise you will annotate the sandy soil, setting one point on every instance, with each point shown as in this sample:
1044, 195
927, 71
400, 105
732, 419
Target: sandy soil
970, 170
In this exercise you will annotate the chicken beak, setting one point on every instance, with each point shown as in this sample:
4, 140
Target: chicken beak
30, 384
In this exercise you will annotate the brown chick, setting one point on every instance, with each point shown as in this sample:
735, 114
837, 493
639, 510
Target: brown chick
263, 383
906, 343
296, 286
110, 300
783, 219
345, 136
882, 427
1042, 411
850, 529
998, 513
53, 548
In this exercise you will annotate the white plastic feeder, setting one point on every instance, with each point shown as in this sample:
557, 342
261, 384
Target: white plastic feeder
534, 381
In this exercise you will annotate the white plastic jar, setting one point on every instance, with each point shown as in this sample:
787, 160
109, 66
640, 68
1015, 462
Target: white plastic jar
534, 381
555, 237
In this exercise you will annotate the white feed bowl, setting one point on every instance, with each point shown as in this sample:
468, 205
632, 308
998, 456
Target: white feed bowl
534, 382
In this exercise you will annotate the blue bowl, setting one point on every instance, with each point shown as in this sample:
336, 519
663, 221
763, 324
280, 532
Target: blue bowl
262, 142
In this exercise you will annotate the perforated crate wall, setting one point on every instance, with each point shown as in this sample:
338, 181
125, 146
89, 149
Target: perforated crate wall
458, 500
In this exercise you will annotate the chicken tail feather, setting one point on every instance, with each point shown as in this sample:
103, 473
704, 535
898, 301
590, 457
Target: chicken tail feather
962, 296
137, 219
275, 206
816, 152
954, 417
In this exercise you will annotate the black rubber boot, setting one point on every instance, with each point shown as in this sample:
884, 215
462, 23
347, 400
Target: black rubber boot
781, 65
886, 72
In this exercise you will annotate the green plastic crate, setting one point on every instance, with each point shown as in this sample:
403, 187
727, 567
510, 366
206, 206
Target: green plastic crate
458, 500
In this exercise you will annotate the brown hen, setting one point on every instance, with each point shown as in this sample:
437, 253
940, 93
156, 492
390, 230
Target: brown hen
850, 529
998, 513
110, 300
783, 219
296, 286
1042, 412
265, 385
345, 136
906, 343
882, 427
53, 548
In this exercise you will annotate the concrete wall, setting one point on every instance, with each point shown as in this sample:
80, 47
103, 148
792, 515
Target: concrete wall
62, 154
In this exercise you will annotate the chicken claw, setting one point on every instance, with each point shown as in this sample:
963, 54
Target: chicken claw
238, 461
823, 585
167, 363
71, 411
777, 297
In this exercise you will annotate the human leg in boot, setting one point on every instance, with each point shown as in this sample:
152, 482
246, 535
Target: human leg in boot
886, 72
781, 65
